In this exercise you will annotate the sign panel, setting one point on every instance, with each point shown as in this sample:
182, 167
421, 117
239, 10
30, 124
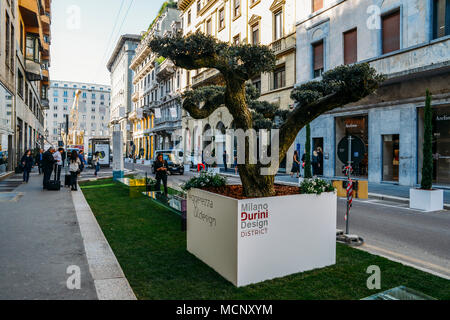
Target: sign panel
104, 153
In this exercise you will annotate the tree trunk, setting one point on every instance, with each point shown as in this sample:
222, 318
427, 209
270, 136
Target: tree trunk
254, 184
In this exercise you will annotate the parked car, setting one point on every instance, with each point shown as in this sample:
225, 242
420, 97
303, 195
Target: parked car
175, 165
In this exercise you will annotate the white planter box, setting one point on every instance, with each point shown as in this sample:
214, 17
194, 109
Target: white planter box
214, 170
287, 235
147, 162
427, 200
187, 167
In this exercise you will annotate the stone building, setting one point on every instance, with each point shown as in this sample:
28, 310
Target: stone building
268, 22
156, 113
408, 41
93, 106
122, 87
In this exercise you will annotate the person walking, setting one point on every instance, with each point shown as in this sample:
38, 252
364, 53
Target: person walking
225, 159
235, 164
320, 153
38, 160
59, 163
27, 163
74, 168
82, 160
96, 162
161, 168
315, 163
295, 165
47, 165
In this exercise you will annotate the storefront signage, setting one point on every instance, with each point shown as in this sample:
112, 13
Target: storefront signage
443, 118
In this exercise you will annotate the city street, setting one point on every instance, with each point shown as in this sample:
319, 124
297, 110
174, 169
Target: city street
388, 228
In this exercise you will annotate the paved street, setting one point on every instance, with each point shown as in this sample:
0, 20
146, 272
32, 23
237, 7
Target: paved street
388, 228
40, 238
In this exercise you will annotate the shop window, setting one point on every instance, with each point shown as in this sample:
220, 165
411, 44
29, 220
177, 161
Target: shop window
391, 157
441, 18
391, 32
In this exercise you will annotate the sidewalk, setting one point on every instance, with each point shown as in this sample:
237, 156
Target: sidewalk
40, 238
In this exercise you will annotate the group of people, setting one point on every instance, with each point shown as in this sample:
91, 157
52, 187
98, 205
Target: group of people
51, 162
316, 163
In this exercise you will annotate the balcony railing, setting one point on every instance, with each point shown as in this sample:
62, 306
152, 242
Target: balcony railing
283, 44
204, 76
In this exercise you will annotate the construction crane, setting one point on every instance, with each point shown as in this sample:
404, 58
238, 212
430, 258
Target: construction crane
75, 136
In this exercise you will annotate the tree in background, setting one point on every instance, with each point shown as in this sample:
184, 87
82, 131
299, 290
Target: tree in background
308, 173
427, 166
239, 63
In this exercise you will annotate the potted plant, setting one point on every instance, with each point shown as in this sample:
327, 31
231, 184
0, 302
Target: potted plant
426, 198
259, 230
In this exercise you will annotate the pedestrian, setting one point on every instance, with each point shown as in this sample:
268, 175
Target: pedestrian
38, 160
295, 165
235, 164
96, 162
315, 163
27, 162
82, 160
59, 163
161, 168
47, 165
225, 159
74, 168
320, 153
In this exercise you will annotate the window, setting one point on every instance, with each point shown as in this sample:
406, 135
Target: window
318, 59
7, 40
221, 19
32, 50
279, 78
257, 83
237, 8
255, 34
189, 17
199, 6
20, 83
237, 39
12, 47
317, 5
350, 46
21, 37
391, 32
278, 25
209, 27
441, 18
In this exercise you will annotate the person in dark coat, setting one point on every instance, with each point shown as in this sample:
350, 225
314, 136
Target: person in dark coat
225, 159
47, 165
161, 167
27, 162
39, 159
295, 164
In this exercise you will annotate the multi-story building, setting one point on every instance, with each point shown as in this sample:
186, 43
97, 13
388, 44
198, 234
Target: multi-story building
270, 23
93, 106
26, 59
409, 42
157, 112
122, 86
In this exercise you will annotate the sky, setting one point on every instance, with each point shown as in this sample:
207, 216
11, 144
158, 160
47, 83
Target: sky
85, 32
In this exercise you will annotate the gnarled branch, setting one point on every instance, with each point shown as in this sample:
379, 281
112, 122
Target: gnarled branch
212, 96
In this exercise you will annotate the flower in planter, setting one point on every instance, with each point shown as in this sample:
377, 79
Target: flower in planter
205, 180
315, 186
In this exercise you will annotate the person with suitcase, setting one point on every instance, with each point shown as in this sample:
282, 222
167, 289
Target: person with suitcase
47, 165
74, 167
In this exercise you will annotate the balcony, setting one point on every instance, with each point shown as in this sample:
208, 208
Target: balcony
33, 70
209, 76
283, 45
165, 70
135, 96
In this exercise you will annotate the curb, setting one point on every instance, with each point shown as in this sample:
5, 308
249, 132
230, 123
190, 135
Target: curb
7, 175
109, 280
397, 199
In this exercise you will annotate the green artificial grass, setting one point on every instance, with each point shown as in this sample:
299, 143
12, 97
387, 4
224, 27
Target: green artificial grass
151, 248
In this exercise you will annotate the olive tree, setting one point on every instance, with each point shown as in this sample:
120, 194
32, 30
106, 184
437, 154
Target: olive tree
237, 64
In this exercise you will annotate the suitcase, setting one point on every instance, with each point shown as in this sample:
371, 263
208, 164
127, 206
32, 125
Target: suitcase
54, 185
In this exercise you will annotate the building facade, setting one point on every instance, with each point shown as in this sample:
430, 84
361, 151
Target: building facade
409, 42
272, 23
93, 106
157, 112
24, 75
122, 86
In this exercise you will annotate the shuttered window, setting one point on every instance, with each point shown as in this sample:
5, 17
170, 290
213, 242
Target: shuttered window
318, 59
317, 5
391, 32
350, 47
441, 18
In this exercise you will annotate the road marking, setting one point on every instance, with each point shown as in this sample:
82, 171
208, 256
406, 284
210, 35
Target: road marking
412, 260
376, 202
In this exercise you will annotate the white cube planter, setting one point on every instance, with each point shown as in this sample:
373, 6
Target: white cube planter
214, 170
427, 200
253, 240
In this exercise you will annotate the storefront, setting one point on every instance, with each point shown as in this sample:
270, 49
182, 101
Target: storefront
441, 144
